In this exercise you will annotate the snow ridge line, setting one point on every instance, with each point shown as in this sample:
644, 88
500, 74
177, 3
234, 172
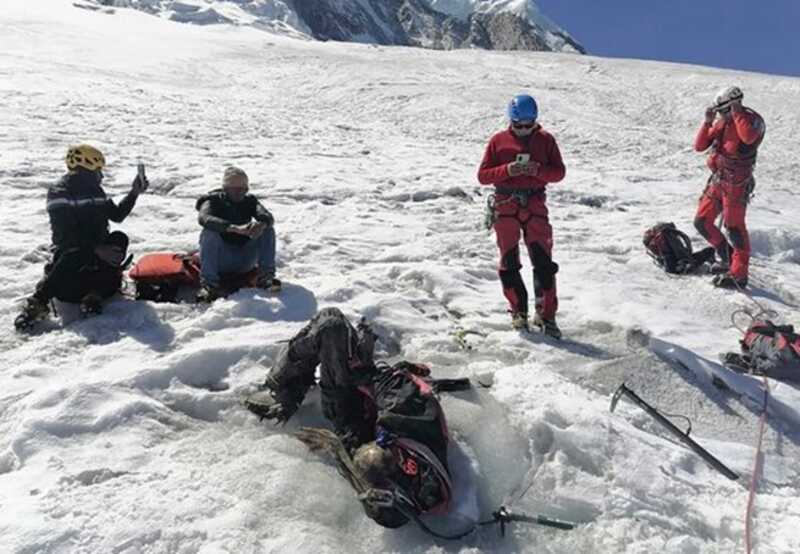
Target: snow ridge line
758, 466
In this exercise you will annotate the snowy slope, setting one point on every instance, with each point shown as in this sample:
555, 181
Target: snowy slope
124, 433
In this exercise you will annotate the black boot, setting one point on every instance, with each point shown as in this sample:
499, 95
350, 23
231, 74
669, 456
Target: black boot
273, 404
728, 281
208, 293
269, 282
33, 311
547, 326
91, 304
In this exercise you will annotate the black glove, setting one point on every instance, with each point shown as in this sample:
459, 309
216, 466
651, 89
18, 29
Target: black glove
139, 185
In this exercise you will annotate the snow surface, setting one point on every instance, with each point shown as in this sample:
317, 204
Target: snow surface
124, 433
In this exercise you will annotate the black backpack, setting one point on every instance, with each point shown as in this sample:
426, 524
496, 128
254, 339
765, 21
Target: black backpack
671, 249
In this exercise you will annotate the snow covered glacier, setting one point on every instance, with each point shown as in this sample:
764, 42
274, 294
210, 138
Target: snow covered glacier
125, 433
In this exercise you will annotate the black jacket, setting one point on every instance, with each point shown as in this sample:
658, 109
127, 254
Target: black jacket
218, 212
79, 211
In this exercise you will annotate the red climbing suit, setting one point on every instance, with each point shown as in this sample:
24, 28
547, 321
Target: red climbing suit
734, 145
524, 214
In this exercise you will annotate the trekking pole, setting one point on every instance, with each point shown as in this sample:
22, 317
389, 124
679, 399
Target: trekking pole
684, 437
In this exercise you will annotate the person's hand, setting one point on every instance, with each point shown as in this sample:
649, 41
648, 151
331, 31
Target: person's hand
515, 168
240, 229
139, 185
256, 228
711, 113
532, 168
112, 255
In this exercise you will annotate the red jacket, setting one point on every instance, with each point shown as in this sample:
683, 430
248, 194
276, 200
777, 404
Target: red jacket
504, 147
735, 143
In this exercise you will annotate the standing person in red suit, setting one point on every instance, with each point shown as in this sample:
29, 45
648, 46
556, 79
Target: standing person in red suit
733, 133
519, 162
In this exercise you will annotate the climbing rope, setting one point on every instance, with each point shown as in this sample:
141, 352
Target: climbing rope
758, 465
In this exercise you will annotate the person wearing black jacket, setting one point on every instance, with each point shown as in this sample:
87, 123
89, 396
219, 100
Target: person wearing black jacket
237, 236
389, 431
87, 259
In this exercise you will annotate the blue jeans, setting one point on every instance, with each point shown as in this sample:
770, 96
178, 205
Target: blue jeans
218, 256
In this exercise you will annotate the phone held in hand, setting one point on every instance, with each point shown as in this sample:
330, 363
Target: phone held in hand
141, 175
523, 158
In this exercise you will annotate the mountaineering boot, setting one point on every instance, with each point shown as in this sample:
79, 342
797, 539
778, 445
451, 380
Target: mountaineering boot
271, 404
33, 311
547, 326
728, 281
208, 293
91, 304
268, 282
519, 321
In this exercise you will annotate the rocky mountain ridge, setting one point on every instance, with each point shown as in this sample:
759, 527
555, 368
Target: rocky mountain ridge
436, 24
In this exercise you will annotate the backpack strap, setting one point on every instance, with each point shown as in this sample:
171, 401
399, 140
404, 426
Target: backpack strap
681, 246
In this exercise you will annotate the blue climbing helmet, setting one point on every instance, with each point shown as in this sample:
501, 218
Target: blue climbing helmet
523, 108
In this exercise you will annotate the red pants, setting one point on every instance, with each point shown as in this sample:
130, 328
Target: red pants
730, 200
531, 223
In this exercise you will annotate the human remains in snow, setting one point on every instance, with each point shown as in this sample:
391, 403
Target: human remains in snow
520, 162
87, 260
390, 437
733, 134
238, 236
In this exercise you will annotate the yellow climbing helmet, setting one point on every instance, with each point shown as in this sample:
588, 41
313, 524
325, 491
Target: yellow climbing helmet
85, 156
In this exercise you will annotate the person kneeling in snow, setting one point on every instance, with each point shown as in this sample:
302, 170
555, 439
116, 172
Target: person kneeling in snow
88, 261
238, 235
390, 438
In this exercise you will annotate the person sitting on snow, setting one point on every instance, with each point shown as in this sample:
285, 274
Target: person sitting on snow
87, 260
238, 235
733, 133
390, 438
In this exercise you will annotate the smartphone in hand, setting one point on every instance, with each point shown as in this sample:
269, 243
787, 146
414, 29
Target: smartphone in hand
142, 178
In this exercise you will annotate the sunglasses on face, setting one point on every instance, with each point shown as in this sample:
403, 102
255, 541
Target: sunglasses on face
724, 109
523, 124
235, 192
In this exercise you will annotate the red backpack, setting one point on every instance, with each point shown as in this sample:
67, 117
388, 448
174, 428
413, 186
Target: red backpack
159, 276
768, 349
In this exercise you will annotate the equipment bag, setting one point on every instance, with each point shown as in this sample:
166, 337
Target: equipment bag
771, 350
407, 409
671, 249
159, 276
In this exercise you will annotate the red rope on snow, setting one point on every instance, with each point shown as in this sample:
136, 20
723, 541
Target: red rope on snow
757, 467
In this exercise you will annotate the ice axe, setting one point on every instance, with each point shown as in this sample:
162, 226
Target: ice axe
682, 436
